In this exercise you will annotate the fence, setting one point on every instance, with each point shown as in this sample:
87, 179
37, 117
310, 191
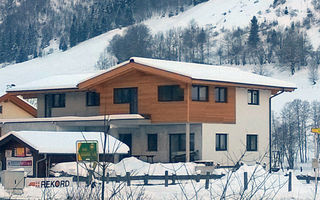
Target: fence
173, 178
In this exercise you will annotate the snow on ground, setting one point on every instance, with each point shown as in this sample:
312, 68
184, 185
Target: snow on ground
261, 185
132, 165
79, 59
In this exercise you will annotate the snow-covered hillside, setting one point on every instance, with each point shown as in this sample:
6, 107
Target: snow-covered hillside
217, 14
229, 14
81, 58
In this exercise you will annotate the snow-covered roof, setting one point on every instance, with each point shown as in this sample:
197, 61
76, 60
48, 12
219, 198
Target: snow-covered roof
65, 142
213, 73
66, 81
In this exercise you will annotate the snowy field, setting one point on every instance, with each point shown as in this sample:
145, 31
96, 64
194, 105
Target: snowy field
261, 185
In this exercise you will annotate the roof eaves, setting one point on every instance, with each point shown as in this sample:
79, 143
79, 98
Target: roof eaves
250, 84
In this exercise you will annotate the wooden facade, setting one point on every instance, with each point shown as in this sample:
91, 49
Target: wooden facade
147, 80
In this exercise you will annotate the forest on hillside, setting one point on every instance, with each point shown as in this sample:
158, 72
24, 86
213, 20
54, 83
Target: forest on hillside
259, 44
27, 26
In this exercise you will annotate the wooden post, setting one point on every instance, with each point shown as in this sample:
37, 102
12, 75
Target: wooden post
290, 182
198, 178
118, 179
145, 180
107, 178
166, 179
207, 180
128, 178
308, 179
245, 180
174, 177
187, 142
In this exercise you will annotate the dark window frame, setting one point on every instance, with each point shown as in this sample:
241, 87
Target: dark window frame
182, 143
251, 97
220, 136
153, 146
218, 97
118, 95
252, 138
92, 99
167, 93
1, 109
198, 93
61, 103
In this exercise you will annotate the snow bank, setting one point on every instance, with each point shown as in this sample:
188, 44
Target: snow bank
131, 164
138, 167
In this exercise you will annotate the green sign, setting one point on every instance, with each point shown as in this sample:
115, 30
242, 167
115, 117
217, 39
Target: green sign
87, 151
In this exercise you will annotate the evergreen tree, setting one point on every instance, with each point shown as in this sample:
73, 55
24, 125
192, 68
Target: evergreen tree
254, 39
73, 32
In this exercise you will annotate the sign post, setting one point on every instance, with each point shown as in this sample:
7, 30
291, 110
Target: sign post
86, 151
315, 161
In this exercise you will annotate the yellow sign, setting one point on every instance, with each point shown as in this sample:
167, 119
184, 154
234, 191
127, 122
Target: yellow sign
315, 130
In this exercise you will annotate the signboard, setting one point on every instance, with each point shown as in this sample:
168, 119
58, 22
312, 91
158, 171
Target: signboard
57, 182
20, 162
87, 150
315, 130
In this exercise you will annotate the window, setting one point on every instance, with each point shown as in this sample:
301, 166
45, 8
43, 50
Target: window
178, 142
58, 100
199, 93
93, 99
253, 97
221, 94
121, 95
152, 142
252, 142
170, 93
0, 109
221, 142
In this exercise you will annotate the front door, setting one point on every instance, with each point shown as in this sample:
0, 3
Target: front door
127, 139
178, 147
133, 100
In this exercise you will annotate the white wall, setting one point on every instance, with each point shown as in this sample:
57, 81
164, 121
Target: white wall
250, 119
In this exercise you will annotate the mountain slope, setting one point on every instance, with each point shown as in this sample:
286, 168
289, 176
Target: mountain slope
75, 60
216, 14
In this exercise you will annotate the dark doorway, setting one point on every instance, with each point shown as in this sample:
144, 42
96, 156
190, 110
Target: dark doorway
133, 100
127, 139
48, 105
178, 147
